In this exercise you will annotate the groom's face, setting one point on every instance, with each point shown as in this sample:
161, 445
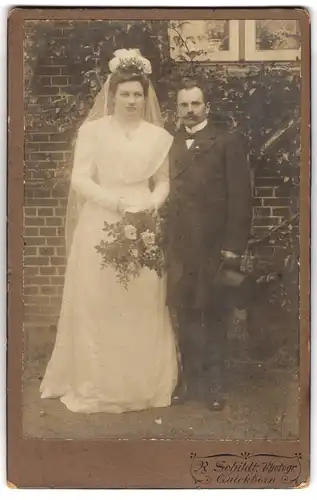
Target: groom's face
191, 106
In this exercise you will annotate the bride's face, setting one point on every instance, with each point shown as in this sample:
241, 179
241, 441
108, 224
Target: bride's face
129, 100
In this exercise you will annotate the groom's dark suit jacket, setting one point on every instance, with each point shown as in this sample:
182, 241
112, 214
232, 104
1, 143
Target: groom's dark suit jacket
209, 209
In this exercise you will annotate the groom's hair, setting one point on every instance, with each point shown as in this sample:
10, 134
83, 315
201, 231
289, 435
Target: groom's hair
128, 75
188, 83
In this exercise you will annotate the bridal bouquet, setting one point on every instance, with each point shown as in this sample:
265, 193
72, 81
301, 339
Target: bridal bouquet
134, 242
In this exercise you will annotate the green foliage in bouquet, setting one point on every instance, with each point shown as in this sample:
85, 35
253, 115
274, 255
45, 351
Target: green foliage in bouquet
133, 243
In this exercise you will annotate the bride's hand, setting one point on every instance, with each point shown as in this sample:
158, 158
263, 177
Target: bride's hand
142, 207
122, 206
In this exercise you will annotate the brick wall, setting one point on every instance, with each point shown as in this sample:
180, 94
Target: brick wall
271, 207
47, 151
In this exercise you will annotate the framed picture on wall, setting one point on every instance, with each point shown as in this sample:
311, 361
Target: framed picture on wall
272, 40
204, 40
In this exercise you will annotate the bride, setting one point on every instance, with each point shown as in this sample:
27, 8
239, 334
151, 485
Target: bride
115, 348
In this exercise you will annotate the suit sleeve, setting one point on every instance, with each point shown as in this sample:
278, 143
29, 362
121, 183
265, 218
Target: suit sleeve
239, 196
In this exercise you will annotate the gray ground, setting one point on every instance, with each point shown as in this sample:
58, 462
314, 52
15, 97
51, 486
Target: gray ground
262, 403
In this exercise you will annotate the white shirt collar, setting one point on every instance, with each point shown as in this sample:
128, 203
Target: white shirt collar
197, 127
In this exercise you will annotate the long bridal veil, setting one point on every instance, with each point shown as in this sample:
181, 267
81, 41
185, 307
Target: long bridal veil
103, 106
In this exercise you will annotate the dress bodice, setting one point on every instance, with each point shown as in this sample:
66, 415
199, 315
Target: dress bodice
109, 164
123, 160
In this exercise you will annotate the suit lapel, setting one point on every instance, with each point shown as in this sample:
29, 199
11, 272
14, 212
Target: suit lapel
204, 138
183, 156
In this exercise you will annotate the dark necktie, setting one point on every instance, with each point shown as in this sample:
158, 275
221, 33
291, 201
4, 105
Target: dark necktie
188, 135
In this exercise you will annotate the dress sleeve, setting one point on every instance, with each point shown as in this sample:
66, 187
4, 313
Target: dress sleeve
161, 184
84, 170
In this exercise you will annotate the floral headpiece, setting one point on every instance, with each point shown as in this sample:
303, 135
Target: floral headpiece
130, 58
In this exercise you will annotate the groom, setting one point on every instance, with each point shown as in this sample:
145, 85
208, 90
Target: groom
208, 226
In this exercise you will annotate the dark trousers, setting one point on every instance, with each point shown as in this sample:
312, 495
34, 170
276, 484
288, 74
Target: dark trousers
202, 345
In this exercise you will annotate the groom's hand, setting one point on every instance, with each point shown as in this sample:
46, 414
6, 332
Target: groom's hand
230, 260
228, 255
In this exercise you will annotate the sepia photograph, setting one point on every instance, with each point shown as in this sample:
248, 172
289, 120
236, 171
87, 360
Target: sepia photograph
161, 217
161, 224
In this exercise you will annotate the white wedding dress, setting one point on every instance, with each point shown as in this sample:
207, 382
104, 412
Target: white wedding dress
115, 349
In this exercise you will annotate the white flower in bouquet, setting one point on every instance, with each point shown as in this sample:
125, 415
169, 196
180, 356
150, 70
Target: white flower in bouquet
134, 252
148, 238
130, 232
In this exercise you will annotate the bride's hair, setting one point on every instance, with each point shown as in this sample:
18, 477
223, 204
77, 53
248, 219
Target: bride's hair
128, 75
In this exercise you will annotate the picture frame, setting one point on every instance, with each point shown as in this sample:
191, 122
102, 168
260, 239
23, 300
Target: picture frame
255, 53
214, 40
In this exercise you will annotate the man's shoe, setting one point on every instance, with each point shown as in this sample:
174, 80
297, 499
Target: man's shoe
216, 404
215, 400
